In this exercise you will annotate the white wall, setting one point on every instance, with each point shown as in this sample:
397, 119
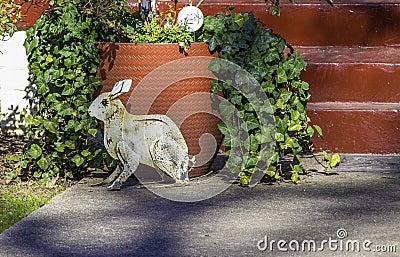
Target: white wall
13, 75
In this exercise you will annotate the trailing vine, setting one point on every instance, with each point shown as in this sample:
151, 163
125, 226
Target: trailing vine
276, 66
63, 60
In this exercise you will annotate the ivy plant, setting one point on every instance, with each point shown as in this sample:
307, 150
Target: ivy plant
243, 40
63, 60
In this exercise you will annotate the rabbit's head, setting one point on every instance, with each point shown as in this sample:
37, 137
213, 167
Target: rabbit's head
107, 103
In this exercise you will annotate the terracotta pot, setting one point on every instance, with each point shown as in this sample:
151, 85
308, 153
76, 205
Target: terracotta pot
135, 61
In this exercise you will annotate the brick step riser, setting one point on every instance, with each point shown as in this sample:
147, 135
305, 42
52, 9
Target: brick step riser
353, 82
320, 24
358, 131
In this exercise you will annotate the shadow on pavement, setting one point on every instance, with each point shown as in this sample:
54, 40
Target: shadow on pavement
86, 221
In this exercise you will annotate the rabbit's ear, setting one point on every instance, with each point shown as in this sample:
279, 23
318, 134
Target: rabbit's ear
120, 88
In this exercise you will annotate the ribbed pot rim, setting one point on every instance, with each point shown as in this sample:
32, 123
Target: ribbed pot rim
128, 43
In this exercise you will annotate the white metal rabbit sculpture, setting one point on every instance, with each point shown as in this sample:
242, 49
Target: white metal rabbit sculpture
153, 140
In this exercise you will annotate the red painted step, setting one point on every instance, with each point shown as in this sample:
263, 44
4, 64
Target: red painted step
351, 74
314, 23
357, 127
355, 97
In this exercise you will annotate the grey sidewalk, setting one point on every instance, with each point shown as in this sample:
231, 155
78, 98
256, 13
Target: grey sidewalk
86, 221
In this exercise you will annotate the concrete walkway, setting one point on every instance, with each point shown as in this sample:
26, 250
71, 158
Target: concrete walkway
347, 210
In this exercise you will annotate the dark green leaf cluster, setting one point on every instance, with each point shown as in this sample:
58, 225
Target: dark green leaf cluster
63, 59
276, 66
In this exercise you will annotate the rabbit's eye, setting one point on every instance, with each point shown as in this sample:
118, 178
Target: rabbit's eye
104, 102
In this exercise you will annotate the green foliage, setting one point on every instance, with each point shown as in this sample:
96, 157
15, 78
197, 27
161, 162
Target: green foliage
63, 59
332, 160
10, 14
161, 29
276, 66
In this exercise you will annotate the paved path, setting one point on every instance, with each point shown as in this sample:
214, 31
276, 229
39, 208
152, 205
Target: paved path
87, 221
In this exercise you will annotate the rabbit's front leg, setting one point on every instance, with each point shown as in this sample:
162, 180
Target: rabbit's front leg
110, 178
129, 160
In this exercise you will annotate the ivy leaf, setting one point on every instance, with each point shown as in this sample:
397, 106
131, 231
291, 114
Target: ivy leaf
281, 76
297, 169
42, 88
271, 171
65, 53
318, 129
239, 19
50, 126
295, 127
286, 95
35, 151
37, 174
29, 46
212, 43
68, 90
326, 156
251, 161
66, 112
279, 137
78, 160
310, 130
51, 98
335, 160
60, 148
68, 62
305, 86
23, 164
244, 179
37, 121
86, 153
295, 177
28, 119
49, 58
92, 132
70, 144
224, 129
43, 163
78, 126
